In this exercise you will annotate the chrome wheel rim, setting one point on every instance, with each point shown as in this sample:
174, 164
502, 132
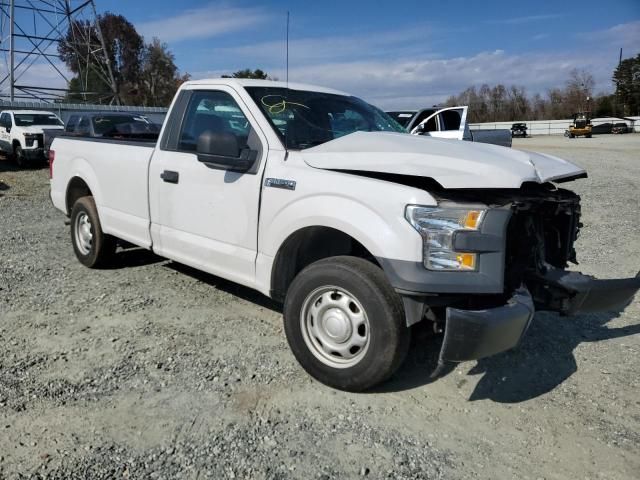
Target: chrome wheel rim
84, 234
335, 327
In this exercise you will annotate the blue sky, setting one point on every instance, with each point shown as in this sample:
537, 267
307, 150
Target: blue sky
401, 54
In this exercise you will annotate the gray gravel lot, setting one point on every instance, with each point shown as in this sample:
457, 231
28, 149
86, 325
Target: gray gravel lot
153, 370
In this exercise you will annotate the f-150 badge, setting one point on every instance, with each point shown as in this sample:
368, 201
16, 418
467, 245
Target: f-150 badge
280, 183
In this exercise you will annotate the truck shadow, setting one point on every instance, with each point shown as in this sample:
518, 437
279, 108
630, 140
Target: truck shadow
544, 360
130, 256
227, 286
136, 257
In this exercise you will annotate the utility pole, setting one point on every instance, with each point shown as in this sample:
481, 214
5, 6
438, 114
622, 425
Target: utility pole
12, 58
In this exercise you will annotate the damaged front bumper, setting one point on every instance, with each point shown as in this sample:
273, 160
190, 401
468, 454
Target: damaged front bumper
570, 293
476, 334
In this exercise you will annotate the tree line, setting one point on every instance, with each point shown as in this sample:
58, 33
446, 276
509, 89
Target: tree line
500, 103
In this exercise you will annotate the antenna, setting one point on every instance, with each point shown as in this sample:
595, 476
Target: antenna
286, 127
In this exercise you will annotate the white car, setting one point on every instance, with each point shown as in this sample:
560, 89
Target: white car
21, 134
448, 122
317, 199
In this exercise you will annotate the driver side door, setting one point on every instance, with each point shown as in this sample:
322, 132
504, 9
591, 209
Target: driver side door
202, 214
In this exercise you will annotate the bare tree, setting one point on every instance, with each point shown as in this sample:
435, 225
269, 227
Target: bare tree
578, 91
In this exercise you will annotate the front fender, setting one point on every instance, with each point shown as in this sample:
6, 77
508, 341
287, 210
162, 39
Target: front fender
388, 237
369, 210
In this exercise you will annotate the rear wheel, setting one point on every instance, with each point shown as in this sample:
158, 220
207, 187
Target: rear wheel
345, 323
91, 245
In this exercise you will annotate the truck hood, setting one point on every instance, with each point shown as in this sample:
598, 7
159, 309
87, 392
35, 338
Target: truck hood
452, 163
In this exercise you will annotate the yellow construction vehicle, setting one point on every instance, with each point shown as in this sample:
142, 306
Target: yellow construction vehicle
581, 125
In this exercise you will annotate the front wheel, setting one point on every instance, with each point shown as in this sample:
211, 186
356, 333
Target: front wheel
345, 323
91, 245
18, 156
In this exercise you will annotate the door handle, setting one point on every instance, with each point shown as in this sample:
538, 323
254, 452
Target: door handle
170, 176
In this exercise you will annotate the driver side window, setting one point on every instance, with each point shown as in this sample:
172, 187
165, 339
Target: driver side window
215, 112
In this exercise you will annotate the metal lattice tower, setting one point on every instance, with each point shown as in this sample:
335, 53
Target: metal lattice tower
30, 64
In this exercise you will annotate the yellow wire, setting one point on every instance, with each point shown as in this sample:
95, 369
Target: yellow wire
280, 106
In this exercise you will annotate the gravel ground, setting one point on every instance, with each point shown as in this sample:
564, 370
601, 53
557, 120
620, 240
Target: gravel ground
153, 370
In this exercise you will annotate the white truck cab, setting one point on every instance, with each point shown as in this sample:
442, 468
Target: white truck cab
21, 134
319, 200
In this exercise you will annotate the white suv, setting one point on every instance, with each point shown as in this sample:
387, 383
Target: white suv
21, 134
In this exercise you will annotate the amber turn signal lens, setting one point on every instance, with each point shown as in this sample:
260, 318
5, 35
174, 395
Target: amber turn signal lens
467, 261
472, 219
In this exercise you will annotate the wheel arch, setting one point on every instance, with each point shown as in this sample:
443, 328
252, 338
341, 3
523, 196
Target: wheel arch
76, 188
308, 245
82, 181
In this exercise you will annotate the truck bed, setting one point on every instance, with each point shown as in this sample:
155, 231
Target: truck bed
124, 211
136, 139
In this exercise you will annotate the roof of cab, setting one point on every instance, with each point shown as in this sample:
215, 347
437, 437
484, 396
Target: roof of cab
246, 82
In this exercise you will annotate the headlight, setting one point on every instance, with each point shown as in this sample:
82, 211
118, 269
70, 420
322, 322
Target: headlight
437, 225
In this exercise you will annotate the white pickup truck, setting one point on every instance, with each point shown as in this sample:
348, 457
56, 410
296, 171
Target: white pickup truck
22, 134
314, 198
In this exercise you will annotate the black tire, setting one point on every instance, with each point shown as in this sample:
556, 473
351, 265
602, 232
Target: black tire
99, 251
588, 136
388, 336
18, 156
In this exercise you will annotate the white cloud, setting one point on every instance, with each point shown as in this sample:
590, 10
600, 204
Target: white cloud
410, 83
334, 48
209, 21
540, 36
414, 77
38, 74
525, 19
624, 35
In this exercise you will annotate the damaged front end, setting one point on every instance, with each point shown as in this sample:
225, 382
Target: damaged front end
539, 245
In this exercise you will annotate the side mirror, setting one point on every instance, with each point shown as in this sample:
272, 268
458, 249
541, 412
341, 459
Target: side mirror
8, 128
417, 130
222, 150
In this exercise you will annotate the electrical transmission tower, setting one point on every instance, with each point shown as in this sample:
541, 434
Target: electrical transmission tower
30, 63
